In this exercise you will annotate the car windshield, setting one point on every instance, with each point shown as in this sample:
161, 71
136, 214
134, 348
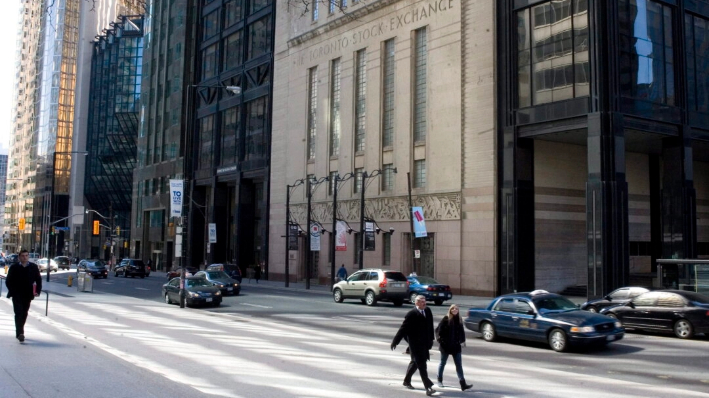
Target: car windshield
217, 275
96, 264
555, 303
199, 282
425, 280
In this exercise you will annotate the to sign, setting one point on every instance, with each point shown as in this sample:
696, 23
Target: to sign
417, 253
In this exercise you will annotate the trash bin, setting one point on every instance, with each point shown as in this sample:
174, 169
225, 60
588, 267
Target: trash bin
85, 283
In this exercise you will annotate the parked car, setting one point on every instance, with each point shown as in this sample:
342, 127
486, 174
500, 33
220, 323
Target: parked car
177, 271
429, 288
221, 280
675, 311
199, 292
372, 285
544, 317
12, 259
618, 296
231, 269
130, 267
95, 268
63, 262
42, 264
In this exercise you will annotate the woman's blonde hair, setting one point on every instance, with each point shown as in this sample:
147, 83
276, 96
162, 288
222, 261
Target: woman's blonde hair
453, 318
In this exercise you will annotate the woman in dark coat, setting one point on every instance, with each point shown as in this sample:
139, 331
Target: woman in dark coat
450, 335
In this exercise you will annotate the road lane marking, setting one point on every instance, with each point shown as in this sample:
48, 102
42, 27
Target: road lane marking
256, 305
142, 288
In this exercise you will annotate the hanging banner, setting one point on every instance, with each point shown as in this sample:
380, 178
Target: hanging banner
212, 234
176, 188
341, 236
315, 237
293, 237
369, 236
419, 222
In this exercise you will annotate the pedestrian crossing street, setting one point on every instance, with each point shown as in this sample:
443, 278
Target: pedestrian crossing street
287, 355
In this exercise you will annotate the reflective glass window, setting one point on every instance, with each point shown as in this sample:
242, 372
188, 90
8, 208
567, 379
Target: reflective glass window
697, 48
259, 37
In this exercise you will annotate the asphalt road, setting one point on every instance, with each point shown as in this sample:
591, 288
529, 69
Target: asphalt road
660, 360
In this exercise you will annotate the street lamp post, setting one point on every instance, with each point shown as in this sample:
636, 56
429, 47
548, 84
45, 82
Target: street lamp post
333, 235
52, 201
309, 232
187, 170
374, 173
288, 224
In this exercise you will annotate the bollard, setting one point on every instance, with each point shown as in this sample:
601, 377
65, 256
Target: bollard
69, 280
6, 270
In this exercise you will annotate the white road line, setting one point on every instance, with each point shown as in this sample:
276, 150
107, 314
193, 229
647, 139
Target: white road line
142, 288
256, 305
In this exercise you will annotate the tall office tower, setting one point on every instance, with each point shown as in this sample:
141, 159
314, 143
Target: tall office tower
54, 42
4, 228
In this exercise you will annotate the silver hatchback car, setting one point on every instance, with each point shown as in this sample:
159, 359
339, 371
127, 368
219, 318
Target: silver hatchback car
372, 285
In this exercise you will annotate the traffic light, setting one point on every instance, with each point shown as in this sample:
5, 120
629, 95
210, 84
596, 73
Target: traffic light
118, 230
51, 231
21, 224
96, 231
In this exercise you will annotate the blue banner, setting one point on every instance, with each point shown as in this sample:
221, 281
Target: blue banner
419, 222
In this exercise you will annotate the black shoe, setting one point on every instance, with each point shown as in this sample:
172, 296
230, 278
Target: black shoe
464, 386
430, 391
21, 338
408, 351
409, 386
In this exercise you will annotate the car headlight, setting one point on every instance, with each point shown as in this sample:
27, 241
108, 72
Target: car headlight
218, 293
584, 329
236, 285
193, 294
618, 324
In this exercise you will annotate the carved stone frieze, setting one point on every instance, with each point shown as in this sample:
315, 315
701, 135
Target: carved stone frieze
436, 207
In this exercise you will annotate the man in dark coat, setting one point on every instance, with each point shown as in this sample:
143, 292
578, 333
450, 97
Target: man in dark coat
20, 280
417, 328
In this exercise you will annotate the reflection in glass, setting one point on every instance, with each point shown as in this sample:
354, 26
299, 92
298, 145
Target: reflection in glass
697, 48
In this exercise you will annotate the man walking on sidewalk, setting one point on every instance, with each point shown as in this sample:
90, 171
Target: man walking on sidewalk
418, 329
24, 283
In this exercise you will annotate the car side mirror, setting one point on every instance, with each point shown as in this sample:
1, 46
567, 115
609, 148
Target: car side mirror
607, 298
531, 312
630, 304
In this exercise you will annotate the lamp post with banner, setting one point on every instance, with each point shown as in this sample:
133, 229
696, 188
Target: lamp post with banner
366, 235
289, 226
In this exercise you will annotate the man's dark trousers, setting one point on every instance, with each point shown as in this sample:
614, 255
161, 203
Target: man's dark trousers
418, 362
22, 308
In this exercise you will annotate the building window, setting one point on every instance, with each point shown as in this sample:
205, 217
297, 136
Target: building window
230, 136
697, 63
256, 139
209, 62
332, 183
206, 133
335, 108
419, 174
312, 110
388, 100
388, 177
358, 180
233, 12
259, 37
257, 5
552, 52
316, 11
233, 50
360, 99
646, 62
210, 25
420, 64
386, 251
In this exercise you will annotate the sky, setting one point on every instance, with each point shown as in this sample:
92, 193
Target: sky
8, 35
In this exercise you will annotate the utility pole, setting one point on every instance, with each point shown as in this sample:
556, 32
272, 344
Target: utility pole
113, 226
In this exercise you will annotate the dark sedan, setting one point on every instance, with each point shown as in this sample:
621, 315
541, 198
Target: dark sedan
616, 297
221, 280
131, 267
176, 272
199, 292
544, 317
676, 311
95, 268
63, 262
429, 288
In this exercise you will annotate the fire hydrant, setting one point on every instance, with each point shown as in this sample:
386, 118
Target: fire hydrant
69, 280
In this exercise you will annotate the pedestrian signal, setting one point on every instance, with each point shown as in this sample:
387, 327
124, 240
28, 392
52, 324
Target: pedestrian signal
96, 227
21, 224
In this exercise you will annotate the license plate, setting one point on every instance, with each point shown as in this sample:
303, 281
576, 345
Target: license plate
209, 300
435, 294
397, 285
229, 289
610, 338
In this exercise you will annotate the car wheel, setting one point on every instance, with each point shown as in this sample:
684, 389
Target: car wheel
683, 329
591, 308
125, 274
363, 301
116, 274
557, 340
217, 303
398, 303
438, 302
412, 298
167, 299
488, 331
369, 298
337, 296
611, 315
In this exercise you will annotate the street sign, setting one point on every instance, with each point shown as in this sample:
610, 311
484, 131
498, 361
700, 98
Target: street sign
417, 253
212, 234
314, 237
61, 228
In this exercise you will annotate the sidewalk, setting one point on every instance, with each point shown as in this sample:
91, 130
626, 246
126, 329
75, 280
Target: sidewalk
463, 301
